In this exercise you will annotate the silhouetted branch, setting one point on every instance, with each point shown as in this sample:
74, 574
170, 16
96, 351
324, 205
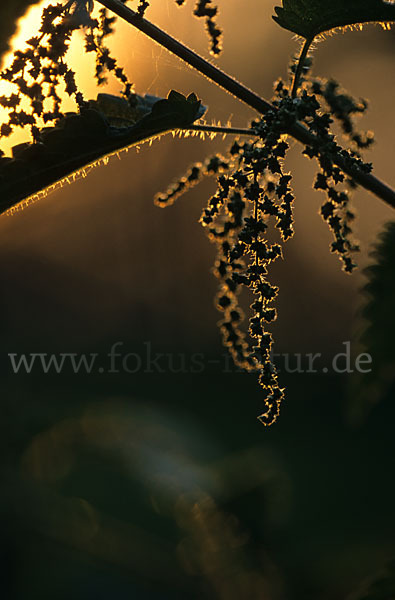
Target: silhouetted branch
231, 85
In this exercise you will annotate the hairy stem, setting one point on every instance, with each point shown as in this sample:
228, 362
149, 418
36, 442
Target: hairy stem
298, 131
187, 55
299, 68
219, 129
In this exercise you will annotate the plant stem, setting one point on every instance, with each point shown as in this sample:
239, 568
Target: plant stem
298, 131
187, 55
219, 129
299, 68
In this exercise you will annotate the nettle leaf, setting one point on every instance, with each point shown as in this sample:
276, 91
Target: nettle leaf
80, 141
176, 110
378, 329
309, 18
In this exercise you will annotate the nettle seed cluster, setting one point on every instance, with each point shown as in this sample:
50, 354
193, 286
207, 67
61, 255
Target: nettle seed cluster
254, 200
40, 73
254, 196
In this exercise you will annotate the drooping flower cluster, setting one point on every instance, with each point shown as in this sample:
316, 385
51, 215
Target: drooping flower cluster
206, 10
213, 165
40, 72
254, 200
95, 38
203, 9
321, 103
336, 209
253, 195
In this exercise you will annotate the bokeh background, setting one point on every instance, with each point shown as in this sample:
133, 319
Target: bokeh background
157, 485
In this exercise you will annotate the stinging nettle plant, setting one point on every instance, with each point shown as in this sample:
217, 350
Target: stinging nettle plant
254, 196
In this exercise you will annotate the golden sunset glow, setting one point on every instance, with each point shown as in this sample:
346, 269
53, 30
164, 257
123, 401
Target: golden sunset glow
197, 393
82, 63
27, 27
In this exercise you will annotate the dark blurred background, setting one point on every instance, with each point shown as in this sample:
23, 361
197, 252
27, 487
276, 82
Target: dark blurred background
157, 485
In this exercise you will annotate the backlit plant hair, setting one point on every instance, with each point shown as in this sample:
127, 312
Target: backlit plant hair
254, 199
